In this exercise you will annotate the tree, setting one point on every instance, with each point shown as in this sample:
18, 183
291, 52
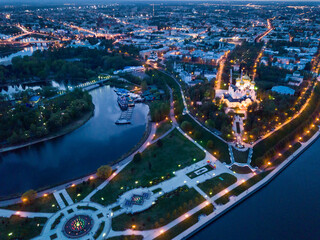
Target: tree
29, 196
104, 171
210, 123
198, 135
186, 126
210, 144
137, 157
162, 221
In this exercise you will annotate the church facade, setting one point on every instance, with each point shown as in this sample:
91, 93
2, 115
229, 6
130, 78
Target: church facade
240, 95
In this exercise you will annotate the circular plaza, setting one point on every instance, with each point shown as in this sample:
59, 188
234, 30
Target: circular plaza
81, 221
78, 226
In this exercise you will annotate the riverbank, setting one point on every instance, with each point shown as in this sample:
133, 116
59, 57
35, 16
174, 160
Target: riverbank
63, 131
235, 200
125, 158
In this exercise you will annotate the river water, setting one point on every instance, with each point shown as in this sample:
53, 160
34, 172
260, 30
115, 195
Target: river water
28, 51
100, 141
287, 208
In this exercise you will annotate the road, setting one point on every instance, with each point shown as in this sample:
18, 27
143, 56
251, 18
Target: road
270, 28
221, 70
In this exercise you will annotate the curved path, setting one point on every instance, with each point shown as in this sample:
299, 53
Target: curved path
117, 166
179, 179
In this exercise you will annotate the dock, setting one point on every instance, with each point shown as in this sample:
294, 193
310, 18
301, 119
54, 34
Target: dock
125, 117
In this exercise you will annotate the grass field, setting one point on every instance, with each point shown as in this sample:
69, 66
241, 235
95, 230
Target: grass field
217, 184
241, 170
220, 148
167, 208
157, 164
17, 227
79, 192
41, 204
162, 128
184, 225
240, 156
286, 154
241, 188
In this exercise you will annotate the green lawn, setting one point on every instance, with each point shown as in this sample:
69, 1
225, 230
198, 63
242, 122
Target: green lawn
184, 225
240, 170
17, 227
215, 185
220, 147
79, 192
240, 156
177, 97
158, 163
41, 204
286, 154
167, 208
242, 187
162, 128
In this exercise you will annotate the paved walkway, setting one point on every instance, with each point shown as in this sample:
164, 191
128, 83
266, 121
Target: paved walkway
187, 110
9, 213
57, 196
59, 199
97, 212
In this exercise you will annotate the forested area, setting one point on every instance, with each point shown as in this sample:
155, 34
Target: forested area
289, 133
274, 109
244, 55
209, 110
23, 123
159, 109
65, 64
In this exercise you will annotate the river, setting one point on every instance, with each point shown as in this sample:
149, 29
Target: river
287, 208
99, 141
28, 51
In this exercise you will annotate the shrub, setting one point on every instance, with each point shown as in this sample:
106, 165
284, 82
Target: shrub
104, 171
186, 126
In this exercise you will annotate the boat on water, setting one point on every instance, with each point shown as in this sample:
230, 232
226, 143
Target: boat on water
121, 91
130, 101
123, 103
122, 121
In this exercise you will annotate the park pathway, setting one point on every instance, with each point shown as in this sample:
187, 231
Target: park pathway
8, 213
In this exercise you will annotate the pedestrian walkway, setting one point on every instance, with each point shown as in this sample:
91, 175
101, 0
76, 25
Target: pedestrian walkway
67, 197
59, 199
8, 213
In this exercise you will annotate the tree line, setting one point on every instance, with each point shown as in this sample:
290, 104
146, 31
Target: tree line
23, 123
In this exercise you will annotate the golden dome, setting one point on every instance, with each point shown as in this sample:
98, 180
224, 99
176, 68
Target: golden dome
246, 77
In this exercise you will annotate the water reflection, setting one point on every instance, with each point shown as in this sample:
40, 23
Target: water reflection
97, 142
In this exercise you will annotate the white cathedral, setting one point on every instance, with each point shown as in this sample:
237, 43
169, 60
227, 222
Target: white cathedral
241, 95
